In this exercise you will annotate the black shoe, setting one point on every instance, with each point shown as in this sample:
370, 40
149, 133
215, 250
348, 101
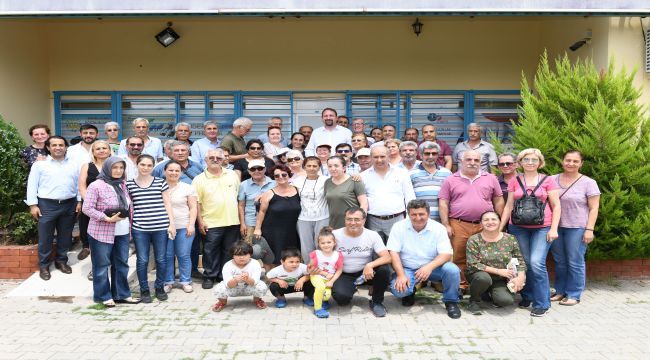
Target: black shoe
524, 303
537, 312
453, 311
207, 283
161, 294
44, 273
83, 253
145, 297
65, 268
197, 274
408, 300
379, 310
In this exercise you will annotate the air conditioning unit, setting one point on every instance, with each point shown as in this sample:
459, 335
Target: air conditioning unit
647, 51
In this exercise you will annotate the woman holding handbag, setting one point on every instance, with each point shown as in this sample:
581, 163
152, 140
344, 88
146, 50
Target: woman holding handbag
533, 214
579, 198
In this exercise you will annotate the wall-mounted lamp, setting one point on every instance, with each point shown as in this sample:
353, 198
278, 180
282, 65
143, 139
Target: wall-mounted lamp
580, 43
167, 36
417, 27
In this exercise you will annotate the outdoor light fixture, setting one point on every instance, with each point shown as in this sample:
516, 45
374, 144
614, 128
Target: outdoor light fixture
417, 27
167, 36
580, 43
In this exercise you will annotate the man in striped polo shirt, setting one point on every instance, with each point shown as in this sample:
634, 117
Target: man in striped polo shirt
427, 177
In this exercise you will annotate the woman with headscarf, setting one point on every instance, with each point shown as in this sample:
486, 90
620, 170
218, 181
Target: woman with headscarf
108, 207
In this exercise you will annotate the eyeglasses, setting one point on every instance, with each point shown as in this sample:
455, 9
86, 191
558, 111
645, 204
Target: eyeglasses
215, 158
429, 153
111, 130
530, 160
136, 145
343, 151
294, 159
505, 164
256, 168
255, 148
283, 175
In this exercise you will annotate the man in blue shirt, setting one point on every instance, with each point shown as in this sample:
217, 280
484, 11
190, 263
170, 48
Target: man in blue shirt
210, 141
180, 153
420, 251
428, 176
54, 201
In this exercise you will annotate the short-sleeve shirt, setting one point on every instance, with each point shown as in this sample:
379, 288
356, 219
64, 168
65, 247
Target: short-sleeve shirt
497, 254
329, 264
417, 249
488, 155
149, 213
387, 195
312, 198
230, 270
468, 199
549, 184
358, 251
248, 192
179, 196
427, 186
233, 143
217, 196
574, 201
340, 198
291, 277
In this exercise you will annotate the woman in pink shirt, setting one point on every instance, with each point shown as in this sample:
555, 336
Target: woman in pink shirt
534, 240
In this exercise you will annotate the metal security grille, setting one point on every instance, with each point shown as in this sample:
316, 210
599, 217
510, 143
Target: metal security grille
445, 112
75, 110
261, 107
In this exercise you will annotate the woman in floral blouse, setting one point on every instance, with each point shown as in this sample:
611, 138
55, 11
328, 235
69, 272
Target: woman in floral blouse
488, 255
36, 151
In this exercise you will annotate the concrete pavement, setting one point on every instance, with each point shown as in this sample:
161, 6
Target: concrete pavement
610, 323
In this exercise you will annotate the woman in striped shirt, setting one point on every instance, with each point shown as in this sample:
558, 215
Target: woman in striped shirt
153, 223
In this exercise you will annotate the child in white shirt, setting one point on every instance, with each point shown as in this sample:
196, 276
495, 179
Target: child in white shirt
241, 277
292, 276
327, 265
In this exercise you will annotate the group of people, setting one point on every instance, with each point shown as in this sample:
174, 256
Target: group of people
320, 213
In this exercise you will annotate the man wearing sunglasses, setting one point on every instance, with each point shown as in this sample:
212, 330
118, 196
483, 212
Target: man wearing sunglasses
508, 167
345, 150
218, 214
134, 146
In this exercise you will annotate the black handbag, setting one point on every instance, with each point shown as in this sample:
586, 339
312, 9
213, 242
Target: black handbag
529, 209
124, 213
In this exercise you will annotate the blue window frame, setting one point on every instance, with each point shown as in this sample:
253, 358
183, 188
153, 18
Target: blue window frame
450, 111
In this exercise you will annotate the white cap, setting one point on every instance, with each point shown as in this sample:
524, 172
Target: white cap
363, 152
256, 162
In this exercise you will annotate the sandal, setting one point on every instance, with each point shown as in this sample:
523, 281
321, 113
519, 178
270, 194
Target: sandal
322, 313
218, 306
109, 303
130, 300
557, 297
569, 302
259, 303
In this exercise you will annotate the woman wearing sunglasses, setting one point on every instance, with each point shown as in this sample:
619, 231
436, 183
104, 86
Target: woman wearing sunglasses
254, 151
294, 161
278, 215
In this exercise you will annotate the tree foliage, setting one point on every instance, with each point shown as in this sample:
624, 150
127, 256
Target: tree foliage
575, 106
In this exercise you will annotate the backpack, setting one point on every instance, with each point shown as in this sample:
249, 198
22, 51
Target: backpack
528, 210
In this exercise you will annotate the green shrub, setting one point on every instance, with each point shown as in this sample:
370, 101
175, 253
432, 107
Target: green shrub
575, 106
16, 223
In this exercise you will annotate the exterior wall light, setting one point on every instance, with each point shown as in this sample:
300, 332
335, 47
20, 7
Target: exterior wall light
417, 27
167, 36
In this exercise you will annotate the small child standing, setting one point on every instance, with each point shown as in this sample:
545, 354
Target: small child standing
241, 277
292, 276
330, 266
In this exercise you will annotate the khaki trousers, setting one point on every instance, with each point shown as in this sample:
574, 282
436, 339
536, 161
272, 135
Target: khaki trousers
462, 231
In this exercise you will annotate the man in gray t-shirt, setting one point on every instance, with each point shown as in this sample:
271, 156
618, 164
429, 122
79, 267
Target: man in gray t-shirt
359, 247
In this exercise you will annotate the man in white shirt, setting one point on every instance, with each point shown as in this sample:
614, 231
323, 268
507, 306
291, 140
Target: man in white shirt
359, 247
389, 189
420, 251
54, 201
329, 133
152, 146
80, 153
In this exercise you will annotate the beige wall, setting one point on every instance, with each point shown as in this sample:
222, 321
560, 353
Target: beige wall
298, 54
24, 84
309, 53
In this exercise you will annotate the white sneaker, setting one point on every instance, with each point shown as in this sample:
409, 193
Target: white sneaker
168, 288
188, 288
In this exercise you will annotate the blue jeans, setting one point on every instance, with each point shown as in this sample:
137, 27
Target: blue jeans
143, 240
181, 247
116, 256
534, 248
448, 273
569, 253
